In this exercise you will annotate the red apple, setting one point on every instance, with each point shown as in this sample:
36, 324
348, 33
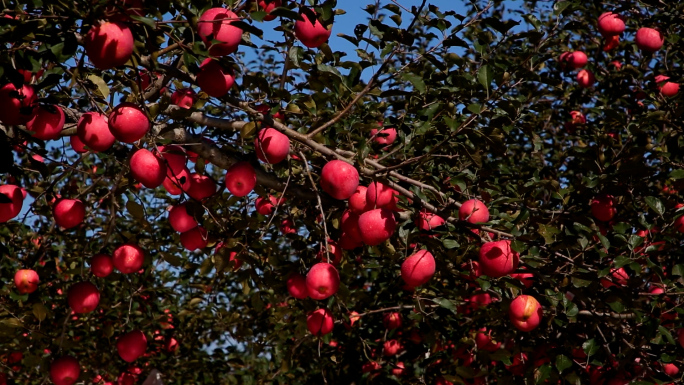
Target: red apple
172, 186
83, 297
483, 340
69, 213
377, 226
311, 32
30, 77
214, 79
498, 259
602, 207
16, 104
357, 201
194, 239
679, 222
649, 39
131, 345
339, 179
268, 6
322, 281
101, 265
320, 322
93, 130
11, 210
668, 89
350, 226
176, 161
578, 119
585, 78
216, 24
128, 123
271, 146
128, 258
181, 220
381, 196
109, 44
418, 268
680, 337
171, 345
26, 280
201, 187
64, 370
47, 122
296, 286
148, 168
525, 313
391, 348
392, 320
370, 367
334, 250
473, 211
385, 136
670, 369
524, 278
620, 276
611, 24
77, 145
241, 179
574, 60
611, 43
184, 98
348, 242
398, 369
237, 263
428, 221
267, 206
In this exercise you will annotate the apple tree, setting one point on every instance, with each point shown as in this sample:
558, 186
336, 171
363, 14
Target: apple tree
279, 192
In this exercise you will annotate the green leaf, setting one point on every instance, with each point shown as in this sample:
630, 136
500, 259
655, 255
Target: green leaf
530, 18
100, 84
450, 243
40, 311
677, 174
590, 347
563, 362
662, 330
678, 270
485, 76
548, 232
578, 282
445, 303
416, 80
560, 6
145, 20
656, 205
617, 306
135, 209
474, 108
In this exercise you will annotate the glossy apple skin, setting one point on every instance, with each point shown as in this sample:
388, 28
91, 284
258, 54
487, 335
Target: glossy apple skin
128, 258
610, 24
322, 281
668, 89
65, 370
16, 110
148, 168
497, 259
268, 7
339, 179
334, 253
311, 35
201, 187
93, 131
214, 79
357, 201
574, 60
77, 145
611, 43
473, 211
216, 24
350, 225
271, 146
320, 322
101, 265
194, 239
649, 39
184, 98
377, 226
47, 122
428, 221
585, 78
296, 286
11, 210
180, 220
109, 45
128, 123
392, 320
418, 268
381, 196
602, 207
26, 280
267, 206
391, 348
83, 297
69, 213
241, 179
525, 313
131, 345
386, 136
483, 340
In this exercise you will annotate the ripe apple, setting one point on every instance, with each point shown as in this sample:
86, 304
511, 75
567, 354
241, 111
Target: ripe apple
385, 136
194, 239
418, 268
357, 201
578, 119
311, 32
585, 78
11, 210
77, 145
241, 179
271, 146
268, 6
109, 44
524, 278
611, 43
180, 220
201, 187
148, 168
398, 369
348, 242
525, 313
128, 123
670, 369
176, 161
649, 39
478, 300
392, 320
381, 196
498, 259
320, 322
16, 104
335, 253
680, 337
83, 297
668, 89
69, 213
370, 367
428, 221
216, 24
30, 77
64, 370
339, 179
391, 348
611, 24
214, 79
574, 60
128, 258
350, 226
93, 130
602, 207
296, 286
377, 226
267, 206
131, 345
620, 276
101, 265
237, 263
172, 186
47, 122
473, 211
184, 98
322, 281
26, 280
483, 340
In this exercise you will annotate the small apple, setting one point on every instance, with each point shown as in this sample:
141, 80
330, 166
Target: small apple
524, 278
194, 239
216, 24
497, 259
69, 213
428, 221
577, 120
109, 44
184, 98
350, 225
334, 250
128, 258
473, 211
585, 78
47, 122
602, 207
10, 210
620, 276
201, 187
668, 89
311, 32
101, 265
148, 168
322, 281
320, 322
348, 242
398, 369
611, 43
611, 24
392, 320
483, 340
670, 369
267, 206
131, 345
574, 60
377, 226
271, 146
128, 123
357, 201
180, 219
417, 269
649, 39
385, 136
339, 179
65, 370
241, 179
268, 6
296, 286
391, 348
381, 196
26, 280
214, 79
16, 104
525, 313
83, 297
93, 130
